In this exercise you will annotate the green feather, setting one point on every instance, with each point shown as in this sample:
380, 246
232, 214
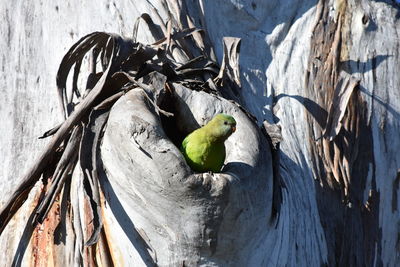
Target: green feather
204, 148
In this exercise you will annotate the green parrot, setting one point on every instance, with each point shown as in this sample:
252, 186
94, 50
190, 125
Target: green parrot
204, 148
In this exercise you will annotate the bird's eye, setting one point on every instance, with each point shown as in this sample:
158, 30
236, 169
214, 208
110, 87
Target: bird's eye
225, 122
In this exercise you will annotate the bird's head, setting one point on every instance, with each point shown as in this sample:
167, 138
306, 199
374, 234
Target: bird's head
222, 126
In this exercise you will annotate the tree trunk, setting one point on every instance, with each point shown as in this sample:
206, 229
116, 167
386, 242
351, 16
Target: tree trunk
324, 72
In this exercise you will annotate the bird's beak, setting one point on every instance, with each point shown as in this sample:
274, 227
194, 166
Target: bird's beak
233, 129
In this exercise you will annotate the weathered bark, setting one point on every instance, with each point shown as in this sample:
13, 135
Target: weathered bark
325, 72
185, 218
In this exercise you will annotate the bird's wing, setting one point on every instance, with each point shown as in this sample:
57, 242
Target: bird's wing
185, 142
194, 146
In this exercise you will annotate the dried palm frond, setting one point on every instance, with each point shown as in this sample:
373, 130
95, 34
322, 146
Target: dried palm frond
179, 56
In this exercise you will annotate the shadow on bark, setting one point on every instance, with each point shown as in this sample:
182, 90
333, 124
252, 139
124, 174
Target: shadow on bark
364, 66
125, 221
24, 241
319, 114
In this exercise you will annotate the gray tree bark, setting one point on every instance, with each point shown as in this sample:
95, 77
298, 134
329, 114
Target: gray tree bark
325, 72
